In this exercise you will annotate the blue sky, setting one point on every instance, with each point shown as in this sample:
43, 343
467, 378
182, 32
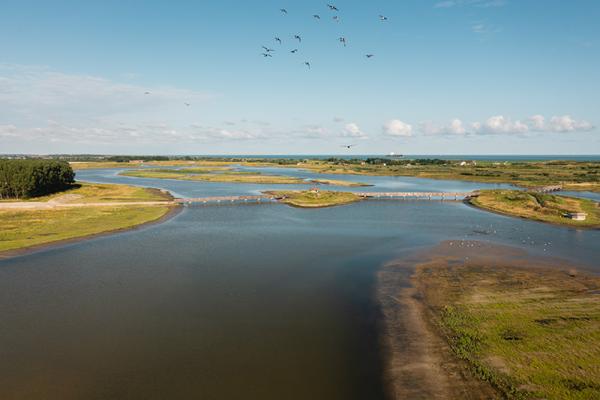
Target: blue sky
450, 77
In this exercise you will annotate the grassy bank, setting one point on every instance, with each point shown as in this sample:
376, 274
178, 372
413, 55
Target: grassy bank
310, 199
213, 176
572, 175
539, 207
581, 176
26, 228
533, 333
337, 182
227, 174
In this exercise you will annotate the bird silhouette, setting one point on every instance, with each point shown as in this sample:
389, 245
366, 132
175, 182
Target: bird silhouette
342, 41
332, 7
147, 93
187, 104
369, 55
266, 55
294, 51
349, 146
283, 10
307, 64
316, 16
278, 40
383, 18
297, 37
336, 18
268, 50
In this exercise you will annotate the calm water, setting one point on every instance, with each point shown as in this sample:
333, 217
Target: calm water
226, 302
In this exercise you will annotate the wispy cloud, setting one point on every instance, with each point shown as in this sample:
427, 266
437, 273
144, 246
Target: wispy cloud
483, 28
474, 3
397, 128
35, 94
501, 125
352, 130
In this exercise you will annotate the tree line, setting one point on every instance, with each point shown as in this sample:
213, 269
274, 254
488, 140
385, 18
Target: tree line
32, 178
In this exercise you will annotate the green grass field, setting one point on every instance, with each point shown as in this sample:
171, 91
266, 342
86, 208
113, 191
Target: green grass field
539, 207
532, 333
310, 199
25, 228
213, 176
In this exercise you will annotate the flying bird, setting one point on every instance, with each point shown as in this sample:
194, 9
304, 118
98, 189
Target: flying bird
298, 38
294, 51
307, 64
342, 41
147, 93
383, 18
316, 16
369, 55
187, 104
349, 146
336, 18
332, 7
268, 50
266, 55
283, 10
278, 40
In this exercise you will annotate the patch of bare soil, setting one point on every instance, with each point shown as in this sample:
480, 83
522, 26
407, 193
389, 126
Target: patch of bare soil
419, 362
65, 198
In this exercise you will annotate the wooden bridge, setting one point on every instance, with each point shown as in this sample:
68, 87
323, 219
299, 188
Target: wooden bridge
418, 195
365, 195
225, 199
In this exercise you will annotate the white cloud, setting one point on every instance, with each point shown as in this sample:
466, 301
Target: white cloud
455, 127
499, 125
567, 124
353, 130
396, 127
8, 131
537, 122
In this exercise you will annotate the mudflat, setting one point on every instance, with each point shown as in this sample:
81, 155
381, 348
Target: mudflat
474, 320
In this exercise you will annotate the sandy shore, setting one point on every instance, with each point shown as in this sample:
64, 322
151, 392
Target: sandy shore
419, 362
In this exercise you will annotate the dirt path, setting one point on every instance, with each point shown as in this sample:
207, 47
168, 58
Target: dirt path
419, 362
23, 205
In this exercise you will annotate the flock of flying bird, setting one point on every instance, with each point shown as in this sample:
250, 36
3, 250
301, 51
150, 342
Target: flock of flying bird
268, 51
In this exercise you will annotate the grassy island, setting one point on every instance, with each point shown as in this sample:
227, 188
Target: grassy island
84, 210
337, 182
315, 199
212, 175
572, 175
227, 174
532, 333
539, 206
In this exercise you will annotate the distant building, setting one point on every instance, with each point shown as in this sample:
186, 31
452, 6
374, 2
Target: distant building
577, 216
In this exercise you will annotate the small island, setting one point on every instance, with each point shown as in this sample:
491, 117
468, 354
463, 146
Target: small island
226, 174
314, 198
561, 210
